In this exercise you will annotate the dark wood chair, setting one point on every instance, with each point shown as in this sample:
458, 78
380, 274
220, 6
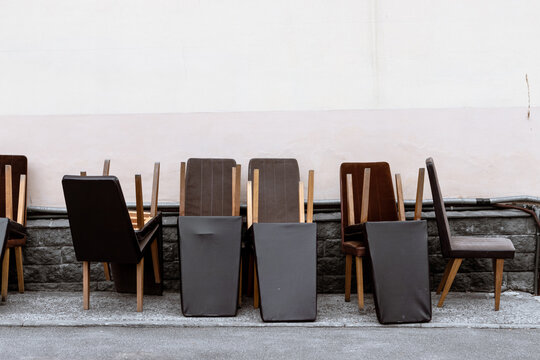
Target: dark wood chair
102, 229
210, 234
456, 248
284, 240
367, 194
13, 185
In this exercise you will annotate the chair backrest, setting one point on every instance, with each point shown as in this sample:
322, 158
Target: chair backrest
278, 189
209, 187
440, 211
382, 201
19, 166
100, 225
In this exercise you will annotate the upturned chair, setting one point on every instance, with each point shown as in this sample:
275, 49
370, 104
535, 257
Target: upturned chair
210, 234
284, 240
367, 194
457, 248
102, 230
13, 184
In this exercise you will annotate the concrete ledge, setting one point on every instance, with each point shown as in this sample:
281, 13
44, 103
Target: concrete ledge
461, 310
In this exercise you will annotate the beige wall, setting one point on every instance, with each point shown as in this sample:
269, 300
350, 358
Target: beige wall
479, 152
250, 78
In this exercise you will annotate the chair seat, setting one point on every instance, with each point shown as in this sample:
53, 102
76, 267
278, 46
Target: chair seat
480, 247
16, 234
353, 243
356, 248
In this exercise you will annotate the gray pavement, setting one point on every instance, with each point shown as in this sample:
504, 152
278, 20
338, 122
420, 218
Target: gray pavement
267, 343
472, 310
53, 325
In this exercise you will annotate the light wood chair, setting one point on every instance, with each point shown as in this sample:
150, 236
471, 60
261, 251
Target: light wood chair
16, 239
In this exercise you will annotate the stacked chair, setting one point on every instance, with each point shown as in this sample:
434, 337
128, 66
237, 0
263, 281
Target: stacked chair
373, 225
103, 231
456, 248
284, 240
123, 274
13, 173
210, 235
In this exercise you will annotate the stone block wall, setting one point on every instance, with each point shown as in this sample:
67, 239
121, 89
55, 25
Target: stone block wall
50, 264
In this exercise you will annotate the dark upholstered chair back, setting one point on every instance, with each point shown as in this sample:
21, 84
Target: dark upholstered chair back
382, 201
18, 167
100, 225
278, 189
209, 187
440, 211
4, 223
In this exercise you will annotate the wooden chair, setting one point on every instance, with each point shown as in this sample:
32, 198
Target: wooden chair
456, 248
210, 229
275, 196
102, 230
13, 170
374, 202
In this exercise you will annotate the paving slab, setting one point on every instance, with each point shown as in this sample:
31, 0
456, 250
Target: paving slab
470, 310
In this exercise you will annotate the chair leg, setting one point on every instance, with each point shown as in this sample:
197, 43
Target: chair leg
86, 285
360, 282
140, 284
19, 263
5, 274
451, 275
240, 284
445, 275
255, 286
107, 271
155, 261
348, 270
498, 282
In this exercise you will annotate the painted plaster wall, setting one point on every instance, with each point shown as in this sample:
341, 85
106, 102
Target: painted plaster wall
324, 81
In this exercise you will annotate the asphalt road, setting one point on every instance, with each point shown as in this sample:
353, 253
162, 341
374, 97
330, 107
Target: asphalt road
267, 343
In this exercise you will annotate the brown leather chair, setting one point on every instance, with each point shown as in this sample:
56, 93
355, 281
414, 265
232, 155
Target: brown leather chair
210, 234
284, 240
456, 248
380, 207
17, 166
102, 230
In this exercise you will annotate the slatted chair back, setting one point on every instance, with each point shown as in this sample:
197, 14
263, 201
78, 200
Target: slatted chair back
278, 192
209, 187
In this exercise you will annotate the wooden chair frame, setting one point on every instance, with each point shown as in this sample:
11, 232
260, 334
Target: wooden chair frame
253, 214
21, 219
364, 218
